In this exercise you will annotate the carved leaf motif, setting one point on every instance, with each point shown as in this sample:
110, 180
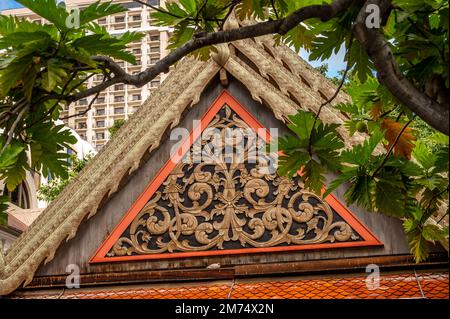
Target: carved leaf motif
217, 204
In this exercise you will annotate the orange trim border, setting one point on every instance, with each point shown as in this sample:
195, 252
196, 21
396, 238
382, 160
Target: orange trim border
224, 98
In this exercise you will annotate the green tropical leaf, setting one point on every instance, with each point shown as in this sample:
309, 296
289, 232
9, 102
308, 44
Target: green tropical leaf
4, 199
289, 165
418, 245
249, 8
10, 75
329, 38
15, 174
325, 137
13, 24
302, 124
181, 35
10, 155
442, 163
56, 74
27, 42
359, 62
312, 137
347, 175
433, 233
297, 38
361, 154
97, 44
49, 10
47, 148
390, 194
349, 108
361, 190
99, 10
314, 176
424, 156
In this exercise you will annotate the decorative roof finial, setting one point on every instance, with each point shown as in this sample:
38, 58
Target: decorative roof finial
223, 51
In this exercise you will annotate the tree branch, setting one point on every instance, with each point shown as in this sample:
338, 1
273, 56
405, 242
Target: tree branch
13, 127
390, 75
274, 9
110, 64
88, 108
55, 105
338, 89
372, 41
324, 12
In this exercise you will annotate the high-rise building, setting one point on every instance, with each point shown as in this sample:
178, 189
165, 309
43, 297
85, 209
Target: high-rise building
119, 101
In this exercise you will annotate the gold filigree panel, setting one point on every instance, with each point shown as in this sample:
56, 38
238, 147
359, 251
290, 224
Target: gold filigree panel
228, 202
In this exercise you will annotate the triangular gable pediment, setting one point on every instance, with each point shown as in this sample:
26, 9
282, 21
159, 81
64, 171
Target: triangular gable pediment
216, 195
142, 135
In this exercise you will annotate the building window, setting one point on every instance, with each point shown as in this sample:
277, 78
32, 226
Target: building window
101, 21
100, 136
154, 38
118, 87
83, 102
98, 147
136, 97
119, 19
130, 5
82, 125
100, 100
100, 112
153, 2
136, 18
137, 51
119, 98
154, 60
100, 123
138, 61
154, 49
118, 110
154, 84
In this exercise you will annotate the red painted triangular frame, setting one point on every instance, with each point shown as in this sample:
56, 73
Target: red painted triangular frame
369, 239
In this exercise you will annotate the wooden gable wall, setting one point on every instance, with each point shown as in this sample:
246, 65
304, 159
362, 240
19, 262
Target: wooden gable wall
93, 232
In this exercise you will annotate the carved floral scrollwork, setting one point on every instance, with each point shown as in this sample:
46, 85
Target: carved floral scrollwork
223, 203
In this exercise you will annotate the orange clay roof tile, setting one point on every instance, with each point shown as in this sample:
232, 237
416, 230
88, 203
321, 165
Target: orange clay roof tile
390, 286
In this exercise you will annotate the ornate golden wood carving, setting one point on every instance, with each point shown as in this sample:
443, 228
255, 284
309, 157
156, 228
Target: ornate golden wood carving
229, 202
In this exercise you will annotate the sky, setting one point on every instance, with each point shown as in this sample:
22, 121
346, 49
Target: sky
8, 4
335, 63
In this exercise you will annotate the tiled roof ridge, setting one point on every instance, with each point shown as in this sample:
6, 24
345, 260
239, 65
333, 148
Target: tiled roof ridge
390, 286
